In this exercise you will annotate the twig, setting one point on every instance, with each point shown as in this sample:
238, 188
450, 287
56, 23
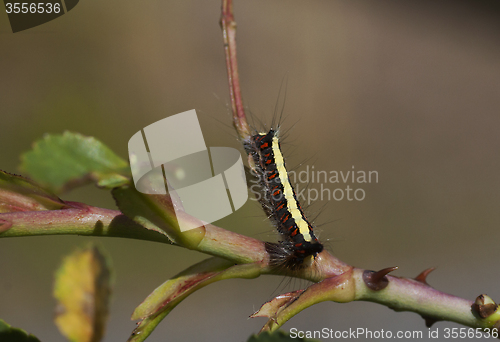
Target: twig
229, 34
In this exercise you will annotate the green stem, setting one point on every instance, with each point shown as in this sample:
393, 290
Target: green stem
86, 221
403, 294
81, 219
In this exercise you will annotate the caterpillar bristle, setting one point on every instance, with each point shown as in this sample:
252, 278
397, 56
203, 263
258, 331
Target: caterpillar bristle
299, 246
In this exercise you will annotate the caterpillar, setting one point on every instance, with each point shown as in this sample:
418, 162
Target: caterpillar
300, 246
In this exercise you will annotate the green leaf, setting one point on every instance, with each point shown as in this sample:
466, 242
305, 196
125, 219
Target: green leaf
183, 283
168, 295
156, 212
61, 162
10, 334
21, 194
82, 289
278, 336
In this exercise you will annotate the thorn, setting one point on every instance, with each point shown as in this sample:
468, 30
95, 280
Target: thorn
429, 321
377, 281
422, 277
484, 306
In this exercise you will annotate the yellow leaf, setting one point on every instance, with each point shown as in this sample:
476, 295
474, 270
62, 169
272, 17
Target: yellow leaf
82, 289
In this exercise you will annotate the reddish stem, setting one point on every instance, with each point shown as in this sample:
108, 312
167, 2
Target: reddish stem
229, 34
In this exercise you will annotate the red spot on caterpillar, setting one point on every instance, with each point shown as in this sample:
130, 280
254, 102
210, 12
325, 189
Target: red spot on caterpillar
285, 217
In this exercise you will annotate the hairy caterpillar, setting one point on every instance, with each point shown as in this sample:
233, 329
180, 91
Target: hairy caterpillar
299, 246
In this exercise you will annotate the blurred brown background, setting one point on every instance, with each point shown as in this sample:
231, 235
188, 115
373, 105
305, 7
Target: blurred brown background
410, 89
